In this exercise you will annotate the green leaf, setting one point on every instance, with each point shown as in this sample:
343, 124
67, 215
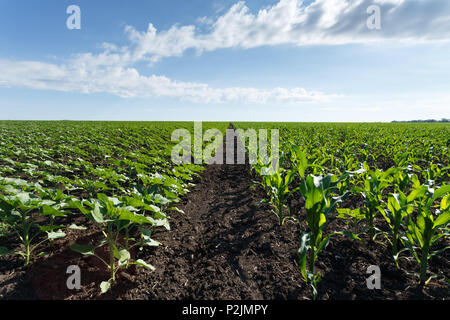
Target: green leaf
105, 286
147, 240
443, 219
23, 197
322, 220
177, 210
441, 192
133, 217
103, 197
50, 228
302, 163
97, 214
50, 211
142, 263
445, 203
86, 250
350, 235
302, 252
56, 235
323, 244
417, 193
75, 227
160, 223
124, 255
4, 251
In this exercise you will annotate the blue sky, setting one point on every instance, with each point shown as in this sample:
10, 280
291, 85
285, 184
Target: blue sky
281, 60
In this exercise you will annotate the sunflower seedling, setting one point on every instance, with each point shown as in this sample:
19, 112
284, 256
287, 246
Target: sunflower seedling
113, 219
20, 213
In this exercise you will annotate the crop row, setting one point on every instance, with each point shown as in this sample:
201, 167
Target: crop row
119, 176
400, 171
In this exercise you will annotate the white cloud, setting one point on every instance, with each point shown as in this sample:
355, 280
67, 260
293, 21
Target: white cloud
322, 22
86, 77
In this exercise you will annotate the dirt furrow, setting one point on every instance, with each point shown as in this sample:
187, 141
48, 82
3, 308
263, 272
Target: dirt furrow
225, 246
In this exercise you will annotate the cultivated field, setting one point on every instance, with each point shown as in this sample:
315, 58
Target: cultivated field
344, 201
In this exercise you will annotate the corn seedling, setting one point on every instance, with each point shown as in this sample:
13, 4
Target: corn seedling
424, 230
278, 185
398, 207
372, 191
319, 204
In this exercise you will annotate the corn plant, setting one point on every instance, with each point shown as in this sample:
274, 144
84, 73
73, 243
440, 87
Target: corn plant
399, 206
20, 213
278, 185
113, 219
375, 182
351, 217
319, 204
424, 230
401, 180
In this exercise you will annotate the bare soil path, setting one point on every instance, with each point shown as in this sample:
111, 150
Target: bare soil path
225, 246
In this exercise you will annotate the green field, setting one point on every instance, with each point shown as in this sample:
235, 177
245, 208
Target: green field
389, 183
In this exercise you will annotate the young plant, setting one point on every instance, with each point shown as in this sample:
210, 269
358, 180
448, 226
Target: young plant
353, 217
427, 228
374, 184
278, 184
59, 200
399, 206
114, 220
401, 180
20, 213
319, 204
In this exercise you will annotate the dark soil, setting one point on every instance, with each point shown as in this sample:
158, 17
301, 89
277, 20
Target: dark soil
227, 245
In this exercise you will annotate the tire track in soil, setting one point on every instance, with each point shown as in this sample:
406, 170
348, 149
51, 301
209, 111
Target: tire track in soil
226, 246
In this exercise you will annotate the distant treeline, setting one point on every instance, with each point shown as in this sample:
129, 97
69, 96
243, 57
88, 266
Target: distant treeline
430, 120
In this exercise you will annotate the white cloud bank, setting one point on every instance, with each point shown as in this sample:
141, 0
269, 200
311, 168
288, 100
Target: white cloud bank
127, 82
322, 22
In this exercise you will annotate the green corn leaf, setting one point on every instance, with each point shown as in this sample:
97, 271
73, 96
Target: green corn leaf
445, 203
442, 191
417, 193
302, 252
323, 244
443, 219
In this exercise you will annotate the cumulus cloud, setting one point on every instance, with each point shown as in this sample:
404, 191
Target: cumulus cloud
321, 22
294, 22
